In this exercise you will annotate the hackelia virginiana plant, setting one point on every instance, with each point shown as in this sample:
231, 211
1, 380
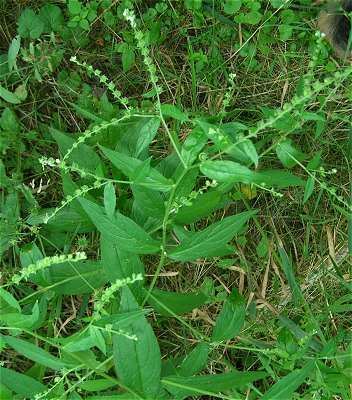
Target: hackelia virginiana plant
104, 80
111, 290
46, 262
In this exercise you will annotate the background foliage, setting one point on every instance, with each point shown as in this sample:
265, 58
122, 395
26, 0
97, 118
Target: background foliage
175, 211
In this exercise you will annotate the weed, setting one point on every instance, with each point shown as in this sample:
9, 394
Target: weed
198, 152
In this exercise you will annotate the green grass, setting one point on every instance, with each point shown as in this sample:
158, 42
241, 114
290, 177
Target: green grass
175, 205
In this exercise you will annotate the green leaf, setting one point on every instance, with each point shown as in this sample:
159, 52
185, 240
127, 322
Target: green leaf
52, 17
121, 230
97, 385
210, 240
74, 7
120, 264
149, 202
192, 146
209, 384
34, 353
66, 220
287, 266
170, 110
195, 361
278, 178
67, 278
232, 6
130, 166
134, 136
84, 156
146, 134
137, 362
8, 96
20, 383
227, 171
193, 5
13, 52
286, 386
285, 31
178, 303
8, 121
109, 199
309, 188
200, 207
30, 26
23, 321
288, 154
231, 318
9, 299
231, 172
128, 58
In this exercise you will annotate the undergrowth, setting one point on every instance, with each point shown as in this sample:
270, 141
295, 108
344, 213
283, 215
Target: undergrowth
175, 202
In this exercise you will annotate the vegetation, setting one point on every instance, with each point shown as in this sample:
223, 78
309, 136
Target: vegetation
175, 210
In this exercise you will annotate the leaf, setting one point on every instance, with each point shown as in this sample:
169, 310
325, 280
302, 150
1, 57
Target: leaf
129, 166
77, 343
229, 171
231, 318
8, 121
74, 7
285, 31
287, 267
128, 58
200, 207
84, 156
109, 199
193, 5
8, 96
147, 133
9, 299
178, 303
121, 230
170, 110
286, 386
299, 333
278, 178
67, 278
13, 52
232, 6
250, 150
21, 92
30, 26
210, 240
120, 264
209, 384
23, 321
288, 154
34, 353
192, 146
97, 385
20, 383
66, 220
309, 188
134, 136
195, 361
52, 17
149, 202
137, 362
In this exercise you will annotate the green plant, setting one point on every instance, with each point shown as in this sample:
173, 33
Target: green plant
191, 283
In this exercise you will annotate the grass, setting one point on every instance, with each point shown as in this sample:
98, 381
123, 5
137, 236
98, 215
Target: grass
212, 217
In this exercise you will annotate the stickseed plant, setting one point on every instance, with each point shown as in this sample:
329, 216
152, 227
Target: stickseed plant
177, 226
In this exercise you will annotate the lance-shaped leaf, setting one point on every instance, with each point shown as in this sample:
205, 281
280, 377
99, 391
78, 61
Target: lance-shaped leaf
121, 230
212, 240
